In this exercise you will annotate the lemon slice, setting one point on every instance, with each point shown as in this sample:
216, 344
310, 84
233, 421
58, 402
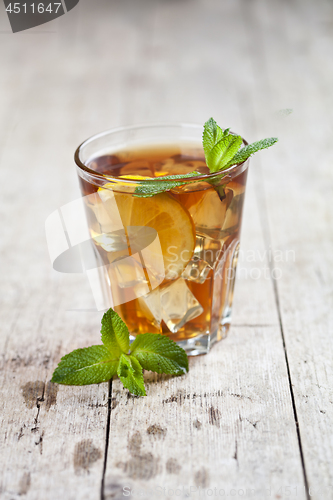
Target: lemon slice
135, 177
163, 213
121, 182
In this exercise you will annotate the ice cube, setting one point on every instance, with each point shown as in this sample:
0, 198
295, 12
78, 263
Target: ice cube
208, 210
190, 162
178, 304
127, 279
129, 272
139, 167
103, 205
176, 165
150, 306
106, 165
174, 303
197, 270
106, 228
171, 167
151, 254
114, 242
205, 258
234, 213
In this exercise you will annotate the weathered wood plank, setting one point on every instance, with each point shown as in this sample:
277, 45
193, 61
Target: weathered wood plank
296, 191
213, 428
229, 423
52, 439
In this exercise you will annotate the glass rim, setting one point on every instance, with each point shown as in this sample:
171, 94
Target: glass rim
180, 125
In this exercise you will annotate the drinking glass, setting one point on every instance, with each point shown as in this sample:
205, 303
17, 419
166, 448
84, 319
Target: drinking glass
167, 253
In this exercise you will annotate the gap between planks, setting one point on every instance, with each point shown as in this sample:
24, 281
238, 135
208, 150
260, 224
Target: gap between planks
268, 242
107, 439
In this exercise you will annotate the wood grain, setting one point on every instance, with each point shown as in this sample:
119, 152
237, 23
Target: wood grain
297, 214
256, 413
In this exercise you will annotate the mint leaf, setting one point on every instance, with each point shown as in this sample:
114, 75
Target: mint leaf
115, 334
90, 365
159, 354
130, 373
244, 153
147, 189
223, 151
100, 363
222, 148
211, 135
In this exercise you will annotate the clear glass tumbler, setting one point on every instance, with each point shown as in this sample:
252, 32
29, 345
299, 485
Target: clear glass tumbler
167, 253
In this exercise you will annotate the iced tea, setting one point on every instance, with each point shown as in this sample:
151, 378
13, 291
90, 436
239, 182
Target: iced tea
198, 227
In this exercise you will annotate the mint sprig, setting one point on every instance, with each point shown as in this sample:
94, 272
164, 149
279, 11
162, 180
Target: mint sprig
222, 150
99, 363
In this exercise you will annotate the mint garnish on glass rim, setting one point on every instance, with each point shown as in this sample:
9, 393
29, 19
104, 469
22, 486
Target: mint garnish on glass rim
222, 150
99, 363
152, 187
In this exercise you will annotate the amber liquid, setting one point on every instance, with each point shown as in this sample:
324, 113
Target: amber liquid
196, 300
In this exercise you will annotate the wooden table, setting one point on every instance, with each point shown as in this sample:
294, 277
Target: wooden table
253, 419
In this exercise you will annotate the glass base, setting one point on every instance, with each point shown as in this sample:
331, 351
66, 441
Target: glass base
202, 343
197, 345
